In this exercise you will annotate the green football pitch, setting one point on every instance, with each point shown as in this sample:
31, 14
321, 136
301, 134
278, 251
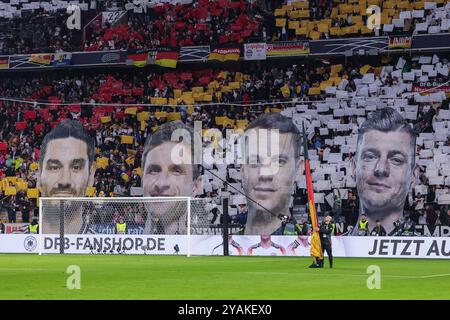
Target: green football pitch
179, 277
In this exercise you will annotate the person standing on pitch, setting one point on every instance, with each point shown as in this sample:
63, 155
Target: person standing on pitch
325, 231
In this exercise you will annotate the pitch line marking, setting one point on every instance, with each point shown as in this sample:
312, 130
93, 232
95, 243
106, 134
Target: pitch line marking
269, 273
24, 269
352, 275
436, 275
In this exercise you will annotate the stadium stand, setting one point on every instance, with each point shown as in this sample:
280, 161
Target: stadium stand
201, 23
334, 99
298, 20
41, 28
332, 95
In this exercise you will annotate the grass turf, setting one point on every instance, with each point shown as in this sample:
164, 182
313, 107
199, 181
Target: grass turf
179, 277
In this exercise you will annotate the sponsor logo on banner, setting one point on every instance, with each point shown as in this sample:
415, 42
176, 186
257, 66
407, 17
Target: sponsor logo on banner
16, 228
411, 247
4, 62
287, 48
255, 51
113, 57
431, 86
30, 243
401, 42
98, 58
132, 244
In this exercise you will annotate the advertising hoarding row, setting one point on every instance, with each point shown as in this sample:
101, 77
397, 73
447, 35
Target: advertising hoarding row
364, 247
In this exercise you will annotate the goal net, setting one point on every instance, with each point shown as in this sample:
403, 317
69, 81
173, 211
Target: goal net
145, 225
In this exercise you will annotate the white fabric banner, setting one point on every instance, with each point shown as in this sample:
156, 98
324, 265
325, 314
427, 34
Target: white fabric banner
95, 244
255, 51
379, 247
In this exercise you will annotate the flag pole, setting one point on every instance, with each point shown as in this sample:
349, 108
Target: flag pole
316, 248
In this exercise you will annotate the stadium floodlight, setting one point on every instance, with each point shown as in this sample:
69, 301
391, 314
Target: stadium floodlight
81, 225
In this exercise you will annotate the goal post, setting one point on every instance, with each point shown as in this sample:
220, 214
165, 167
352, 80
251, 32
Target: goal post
135, 225
188, 230
40, 238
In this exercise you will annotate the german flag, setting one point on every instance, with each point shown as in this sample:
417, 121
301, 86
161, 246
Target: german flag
137, 58
167, 59
4, 62
316, 247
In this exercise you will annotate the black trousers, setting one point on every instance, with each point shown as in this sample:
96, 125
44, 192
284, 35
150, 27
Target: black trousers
326, 246
25, 216
12, 217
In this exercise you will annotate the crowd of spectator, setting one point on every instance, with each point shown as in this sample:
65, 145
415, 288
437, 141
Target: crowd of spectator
325, 19
201, 23
255, 83
39, 32
206, 22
